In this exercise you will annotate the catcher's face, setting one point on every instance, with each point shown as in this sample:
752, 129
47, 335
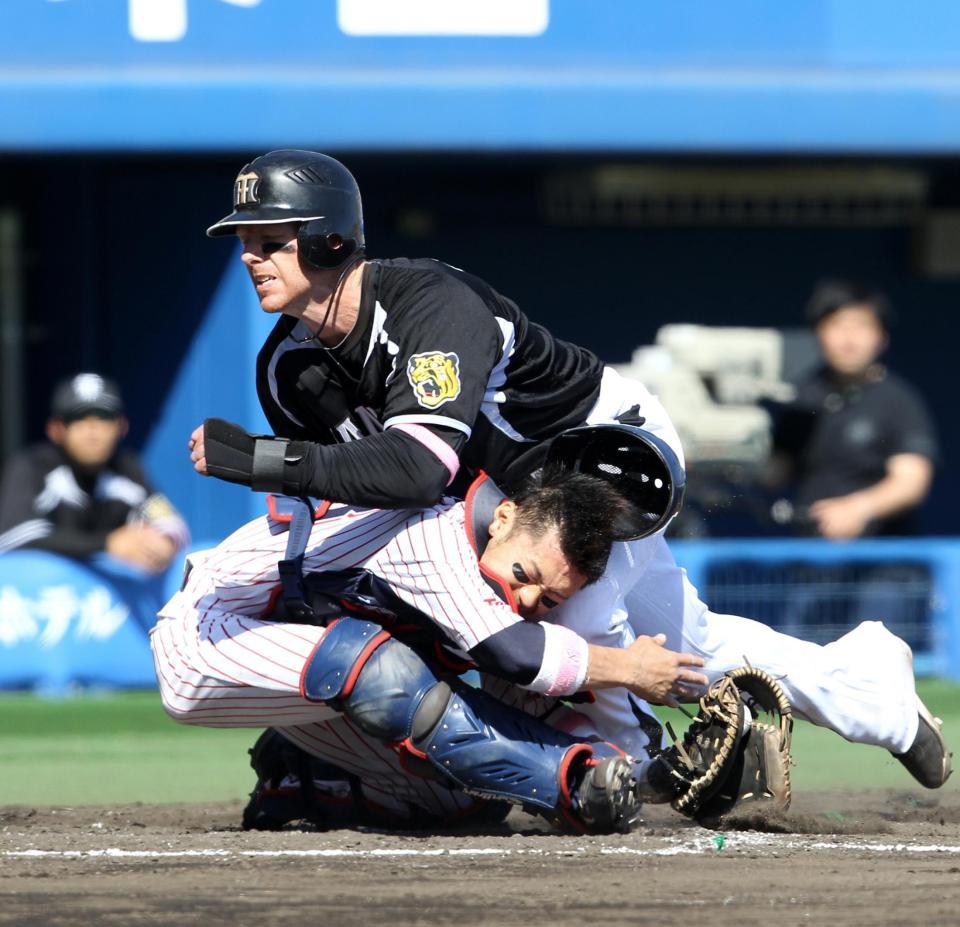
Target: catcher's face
533, 567
270, 256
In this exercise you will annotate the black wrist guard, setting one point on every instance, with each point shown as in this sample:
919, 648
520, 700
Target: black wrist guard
262, 462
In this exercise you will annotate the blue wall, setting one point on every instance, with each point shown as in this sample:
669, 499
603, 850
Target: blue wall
214, 378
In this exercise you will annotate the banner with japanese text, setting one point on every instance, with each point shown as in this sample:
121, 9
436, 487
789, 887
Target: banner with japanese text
65, 624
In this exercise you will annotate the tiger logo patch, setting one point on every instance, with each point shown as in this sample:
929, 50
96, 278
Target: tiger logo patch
435, 378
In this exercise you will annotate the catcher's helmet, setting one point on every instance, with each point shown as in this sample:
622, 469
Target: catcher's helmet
641, 467
290, 185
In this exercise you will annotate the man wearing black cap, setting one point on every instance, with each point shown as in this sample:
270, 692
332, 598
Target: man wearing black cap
858, 442
78, 495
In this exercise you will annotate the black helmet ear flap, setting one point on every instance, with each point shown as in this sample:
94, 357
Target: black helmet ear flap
643, 468
326, 249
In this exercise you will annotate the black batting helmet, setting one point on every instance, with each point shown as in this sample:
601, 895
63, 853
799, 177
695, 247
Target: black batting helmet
290, 185
642, 467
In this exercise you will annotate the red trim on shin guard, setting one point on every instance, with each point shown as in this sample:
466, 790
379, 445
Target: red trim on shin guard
563, 780
365, 654
415, 761
358, 665
406, 746
563, 773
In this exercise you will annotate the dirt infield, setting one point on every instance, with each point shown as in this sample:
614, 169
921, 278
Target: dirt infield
839, 859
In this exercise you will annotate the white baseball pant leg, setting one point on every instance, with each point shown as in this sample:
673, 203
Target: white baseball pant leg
247, 675
860, 686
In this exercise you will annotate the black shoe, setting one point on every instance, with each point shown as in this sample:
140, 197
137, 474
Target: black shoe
294, 786
606, 800
928, 759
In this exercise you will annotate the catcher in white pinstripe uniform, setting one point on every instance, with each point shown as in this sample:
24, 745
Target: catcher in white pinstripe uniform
444, 580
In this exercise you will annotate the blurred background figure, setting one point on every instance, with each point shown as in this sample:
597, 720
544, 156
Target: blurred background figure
79, 494
857, 444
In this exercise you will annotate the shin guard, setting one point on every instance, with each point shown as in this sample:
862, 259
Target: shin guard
490, 749
461, 735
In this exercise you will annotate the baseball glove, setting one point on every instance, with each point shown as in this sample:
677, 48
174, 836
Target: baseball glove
728, 755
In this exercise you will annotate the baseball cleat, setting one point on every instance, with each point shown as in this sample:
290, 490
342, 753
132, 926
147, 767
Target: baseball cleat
606, 800
928, 759
294, 786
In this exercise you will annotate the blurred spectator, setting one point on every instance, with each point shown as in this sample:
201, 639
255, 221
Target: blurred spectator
857, 443
78, 494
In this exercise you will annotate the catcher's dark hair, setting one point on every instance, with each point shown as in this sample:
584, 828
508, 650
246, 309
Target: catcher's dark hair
587, 512
833, 294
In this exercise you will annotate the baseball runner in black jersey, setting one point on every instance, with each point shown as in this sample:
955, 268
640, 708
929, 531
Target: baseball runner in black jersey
434, 353
388, 381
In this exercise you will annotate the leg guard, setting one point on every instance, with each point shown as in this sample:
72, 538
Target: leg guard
361, 670
473, 741
489, 748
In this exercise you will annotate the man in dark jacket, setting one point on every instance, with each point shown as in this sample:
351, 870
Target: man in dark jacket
78, 494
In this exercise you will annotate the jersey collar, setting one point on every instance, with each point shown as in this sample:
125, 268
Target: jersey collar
481, 502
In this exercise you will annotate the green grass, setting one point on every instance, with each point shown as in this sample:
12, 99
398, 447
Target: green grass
123, 748
114, 748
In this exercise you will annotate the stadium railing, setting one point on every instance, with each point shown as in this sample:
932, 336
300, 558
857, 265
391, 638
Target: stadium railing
819, 590
64, 623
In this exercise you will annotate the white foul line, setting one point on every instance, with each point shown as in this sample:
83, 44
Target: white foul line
742, 841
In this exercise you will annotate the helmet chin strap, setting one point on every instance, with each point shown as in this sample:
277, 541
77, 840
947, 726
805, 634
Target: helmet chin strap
333, 300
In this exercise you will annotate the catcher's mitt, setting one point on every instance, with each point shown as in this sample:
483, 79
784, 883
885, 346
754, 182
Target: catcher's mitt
728, 756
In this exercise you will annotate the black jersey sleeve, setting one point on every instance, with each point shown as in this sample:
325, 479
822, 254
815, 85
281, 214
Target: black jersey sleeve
514, 653
390, 470
128, 463
450, 351
21, 482
71, 542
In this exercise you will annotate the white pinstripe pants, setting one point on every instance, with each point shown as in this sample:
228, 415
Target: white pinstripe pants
237, 671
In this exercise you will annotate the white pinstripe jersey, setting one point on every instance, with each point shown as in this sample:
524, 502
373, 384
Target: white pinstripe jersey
425, 557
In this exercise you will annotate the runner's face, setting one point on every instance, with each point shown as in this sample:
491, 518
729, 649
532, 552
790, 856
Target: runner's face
534, 567
271, 258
